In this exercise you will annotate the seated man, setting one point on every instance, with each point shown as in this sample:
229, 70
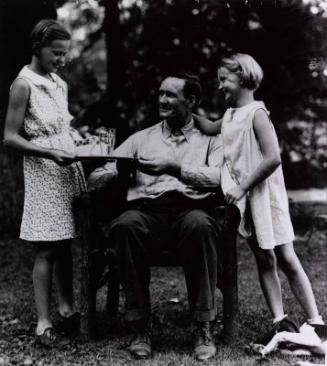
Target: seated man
173, 156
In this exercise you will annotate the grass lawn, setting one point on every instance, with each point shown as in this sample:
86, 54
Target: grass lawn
172, 339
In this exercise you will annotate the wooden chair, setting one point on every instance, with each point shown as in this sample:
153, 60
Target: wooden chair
94, 209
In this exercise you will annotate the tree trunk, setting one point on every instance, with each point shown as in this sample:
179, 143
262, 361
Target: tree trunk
115, 69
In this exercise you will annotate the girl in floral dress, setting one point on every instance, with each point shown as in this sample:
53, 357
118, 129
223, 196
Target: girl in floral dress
38, 125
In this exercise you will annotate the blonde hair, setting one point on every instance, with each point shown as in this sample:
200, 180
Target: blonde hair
249, 71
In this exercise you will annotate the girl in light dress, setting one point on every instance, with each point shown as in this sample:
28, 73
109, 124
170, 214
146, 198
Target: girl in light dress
252, 179
38, 125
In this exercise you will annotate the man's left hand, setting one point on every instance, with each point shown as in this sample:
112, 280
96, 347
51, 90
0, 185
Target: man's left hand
159, 165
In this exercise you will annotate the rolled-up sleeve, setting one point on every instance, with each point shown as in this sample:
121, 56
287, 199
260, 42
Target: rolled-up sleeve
209, 174
101, 176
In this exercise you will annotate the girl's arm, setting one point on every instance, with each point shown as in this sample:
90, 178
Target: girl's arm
268, 145
206, 126
18, 101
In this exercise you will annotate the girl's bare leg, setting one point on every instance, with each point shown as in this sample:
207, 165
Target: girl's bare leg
42, 278
298, 280
268, 277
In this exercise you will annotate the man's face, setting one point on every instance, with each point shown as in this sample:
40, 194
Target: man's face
173, 106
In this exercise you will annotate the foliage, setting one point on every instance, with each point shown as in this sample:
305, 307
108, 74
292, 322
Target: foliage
287, 37
11, 193
304, 152
159, 37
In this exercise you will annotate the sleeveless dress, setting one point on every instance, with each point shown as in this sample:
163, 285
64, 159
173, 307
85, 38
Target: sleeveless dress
49, 188
267, 203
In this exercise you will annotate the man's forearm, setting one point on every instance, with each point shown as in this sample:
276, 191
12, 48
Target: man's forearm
200, 176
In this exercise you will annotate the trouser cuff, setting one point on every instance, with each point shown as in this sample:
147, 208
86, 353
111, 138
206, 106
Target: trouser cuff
204, 315
137, 314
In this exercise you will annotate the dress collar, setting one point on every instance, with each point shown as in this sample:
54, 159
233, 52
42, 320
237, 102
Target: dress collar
186, 130
38, 79
250, 105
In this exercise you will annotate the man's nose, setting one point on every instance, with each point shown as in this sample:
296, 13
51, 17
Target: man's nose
61, 60
162, 98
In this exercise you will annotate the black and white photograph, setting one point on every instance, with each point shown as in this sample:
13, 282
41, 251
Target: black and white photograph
163, 186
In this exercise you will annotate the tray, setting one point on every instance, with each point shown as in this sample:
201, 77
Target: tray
106, 158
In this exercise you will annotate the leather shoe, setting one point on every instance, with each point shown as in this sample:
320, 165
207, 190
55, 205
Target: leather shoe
204, 347
140, 346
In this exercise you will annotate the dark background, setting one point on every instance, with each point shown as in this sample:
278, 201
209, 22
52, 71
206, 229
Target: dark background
122, 49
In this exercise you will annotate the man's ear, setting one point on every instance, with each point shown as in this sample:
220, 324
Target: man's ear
192, 100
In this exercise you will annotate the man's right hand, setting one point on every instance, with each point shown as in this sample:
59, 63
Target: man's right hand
159, 165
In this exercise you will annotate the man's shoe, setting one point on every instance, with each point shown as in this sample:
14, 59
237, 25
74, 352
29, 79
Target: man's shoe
204, 347
140, 347
284, 325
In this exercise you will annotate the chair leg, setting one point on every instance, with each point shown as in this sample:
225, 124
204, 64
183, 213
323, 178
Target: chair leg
113, 292
88, 288
88, 308
230, 288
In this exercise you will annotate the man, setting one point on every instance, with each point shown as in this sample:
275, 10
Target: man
173, 156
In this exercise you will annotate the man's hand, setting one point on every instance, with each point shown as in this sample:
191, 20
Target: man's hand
159, 165
234, 195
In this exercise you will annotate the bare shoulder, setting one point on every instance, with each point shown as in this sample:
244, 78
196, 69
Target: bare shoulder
20, 89
261, 115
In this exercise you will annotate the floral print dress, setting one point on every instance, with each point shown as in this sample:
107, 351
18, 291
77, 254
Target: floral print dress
49, 188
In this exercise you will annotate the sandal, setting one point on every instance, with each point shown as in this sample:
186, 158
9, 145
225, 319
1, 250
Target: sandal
49, 338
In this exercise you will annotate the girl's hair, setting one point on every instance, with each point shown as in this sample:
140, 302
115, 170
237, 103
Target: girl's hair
46, 31
246, 67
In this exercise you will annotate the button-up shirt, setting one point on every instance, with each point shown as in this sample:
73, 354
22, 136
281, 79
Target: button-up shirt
200, 157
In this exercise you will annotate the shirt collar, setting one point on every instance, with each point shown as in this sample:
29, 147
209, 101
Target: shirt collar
38, 79
185, 130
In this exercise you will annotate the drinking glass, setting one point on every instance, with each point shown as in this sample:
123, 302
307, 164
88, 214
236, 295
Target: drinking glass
107, 139
111, 141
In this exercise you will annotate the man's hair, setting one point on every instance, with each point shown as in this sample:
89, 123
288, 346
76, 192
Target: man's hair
46, 31
246, 67
192, 85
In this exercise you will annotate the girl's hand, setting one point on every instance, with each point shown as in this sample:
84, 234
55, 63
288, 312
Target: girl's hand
206, 126
61, 157
234, 195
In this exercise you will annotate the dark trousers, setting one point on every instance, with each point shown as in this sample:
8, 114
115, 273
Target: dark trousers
192, 234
